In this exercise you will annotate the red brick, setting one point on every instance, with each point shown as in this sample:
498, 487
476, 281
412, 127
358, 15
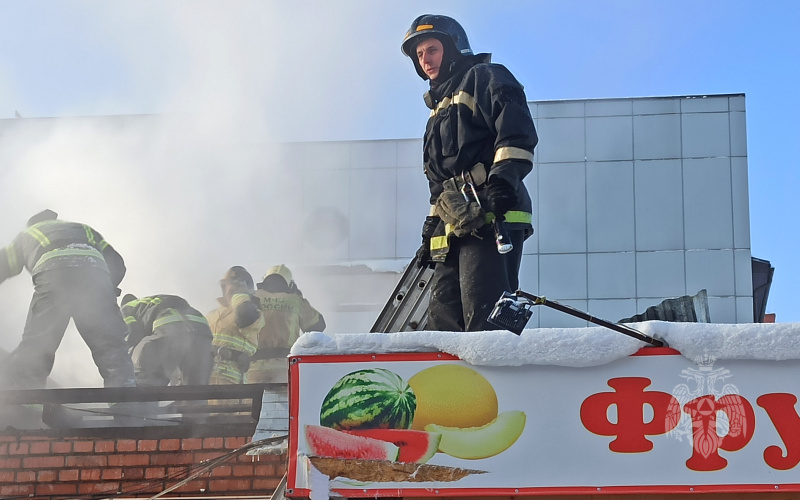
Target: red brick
139, 490
104, 447
18, 448
147, 445
40, 447
193, 487
46, 476
169, 445
243, 470
3, 448
16, 489
125, 445
6, 476
155, 472
61, 447
42, 462
112, 474
235, 442
10, 463
6, 439
68, 475
131, 473
191, 444
87, 461
268, 484
225, 485
26, 476
173, 459
91, 488
222, 471
245, 458
91, 474
270, 459
213, 443
264, 470
128, 460
56, 489
82, 446
206, 455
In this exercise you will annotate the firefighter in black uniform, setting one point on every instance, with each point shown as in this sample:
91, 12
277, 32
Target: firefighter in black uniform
165, 334
478, 148
75, 275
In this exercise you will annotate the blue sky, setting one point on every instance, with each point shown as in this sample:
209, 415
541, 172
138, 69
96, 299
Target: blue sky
332, 70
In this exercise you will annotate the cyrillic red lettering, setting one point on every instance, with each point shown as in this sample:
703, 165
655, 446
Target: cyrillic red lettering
780, 408
706, 441
630, 429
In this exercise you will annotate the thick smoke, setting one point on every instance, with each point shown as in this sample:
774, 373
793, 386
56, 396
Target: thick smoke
184, 174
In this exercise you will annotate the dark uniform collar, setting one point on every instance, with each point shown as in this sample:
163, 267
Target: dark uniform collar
442, 88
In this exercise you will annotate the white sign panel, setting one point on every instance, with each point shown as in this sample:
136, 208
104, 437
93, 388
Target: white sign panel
431, 424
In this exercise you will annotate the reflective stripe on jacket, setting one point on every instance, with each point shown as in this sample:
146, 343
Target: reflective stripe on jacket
480, 115
226, 334
54, 244
440, 242
145, 314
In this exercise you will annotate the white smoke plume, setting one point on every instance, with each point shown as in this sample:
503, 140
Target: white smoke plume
192, 179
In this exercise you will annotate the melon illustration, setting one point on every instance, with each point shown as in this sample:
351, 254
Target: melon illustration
415, 446
484, 441
327, 442
373, 398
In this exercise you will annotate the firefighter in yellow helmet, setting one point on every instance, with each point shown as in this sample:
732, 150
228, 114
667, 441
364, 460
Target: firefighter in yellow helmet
235, 326
287, 314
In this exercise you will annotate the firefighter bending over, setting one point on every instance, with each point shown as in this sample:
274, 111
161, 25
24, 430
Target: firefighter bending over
235, 325
287, 314
75, 275
166, 334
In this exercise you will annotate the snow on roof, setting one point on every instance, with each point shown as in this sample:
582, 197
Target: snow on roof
573, 347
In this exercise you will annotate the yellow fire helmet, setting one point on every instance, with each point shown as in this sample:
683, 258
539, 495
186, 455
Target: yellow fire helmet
281, 270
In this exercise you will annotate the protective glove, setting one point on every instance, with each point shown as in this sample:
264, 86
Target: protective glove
424, 252
500, 196
463, 213
242, 361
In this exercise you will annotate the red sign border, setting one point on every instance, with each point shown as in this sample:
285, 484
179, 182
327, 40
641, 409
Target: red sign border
293, 492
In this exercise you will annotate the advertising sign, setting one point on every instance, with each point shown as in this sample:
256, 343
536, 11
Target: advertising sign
429, 424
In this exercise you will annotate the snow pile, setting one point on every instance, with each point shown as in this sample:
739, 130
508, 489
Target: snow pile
573, 347
760, 341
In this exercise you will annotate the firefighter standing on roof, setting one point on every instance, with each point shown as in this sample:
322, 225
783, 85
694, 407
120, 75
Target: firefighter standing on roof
286, 315
235, 325
165, 334
478, 148
75, 275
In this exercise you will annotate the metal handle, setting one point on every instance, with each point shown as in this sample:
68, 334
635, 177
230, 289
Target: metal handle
501, 237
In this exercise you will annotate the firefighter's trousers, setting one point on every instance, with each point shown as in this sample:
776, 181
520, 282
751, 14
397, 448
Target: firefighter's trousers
183, 345
472, 278
86, 295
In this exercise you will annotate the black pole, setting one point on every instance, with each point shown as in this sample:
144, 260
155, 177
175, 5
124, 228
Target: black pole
626, 330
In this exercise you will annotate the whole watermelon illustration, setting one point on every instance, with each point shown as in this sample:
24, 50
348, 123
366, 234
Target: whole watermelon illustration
373, 398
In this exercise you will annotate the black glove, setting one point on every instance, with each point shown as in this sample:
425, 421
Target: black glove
500, 196
424, 252
242, 361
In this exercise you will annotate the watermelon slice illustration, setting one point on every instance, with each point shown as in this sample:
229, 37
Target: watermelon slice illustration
415, 446
327, 442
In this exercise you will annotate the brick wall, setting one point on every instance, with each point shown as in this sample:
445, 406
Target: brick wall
42, 467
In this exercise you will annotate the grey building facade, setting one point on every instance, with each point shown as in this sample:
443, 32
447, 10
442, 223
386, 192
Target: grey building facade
636, 200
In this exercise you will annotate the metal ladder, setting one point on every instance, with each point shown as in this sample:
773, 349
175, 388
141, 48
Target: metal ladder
407, 308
